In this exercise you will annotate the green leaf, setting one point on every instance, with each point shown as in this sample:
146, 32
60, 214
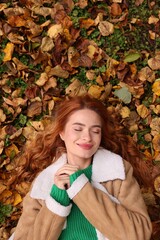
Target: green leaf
123, 94
5, 211
131, 57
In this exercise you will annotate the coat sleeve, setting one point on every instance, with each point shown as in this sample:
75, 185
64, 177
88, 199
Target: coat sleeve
126, 218
39, 221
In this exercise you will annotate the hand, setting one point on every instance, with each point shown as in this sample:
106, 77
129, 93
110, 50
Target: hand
61, 178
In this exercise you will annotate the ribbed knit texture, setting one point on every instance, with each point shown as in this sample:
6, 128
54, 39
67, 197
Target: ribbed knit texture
78, 227
60, 195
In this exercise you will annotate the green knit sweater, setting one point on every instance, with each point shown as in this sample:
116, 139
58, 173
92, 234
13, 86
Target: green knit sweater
78, 227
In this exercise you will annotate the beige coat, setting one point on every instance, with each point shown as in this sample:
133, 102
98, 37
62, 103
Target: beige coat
112, 202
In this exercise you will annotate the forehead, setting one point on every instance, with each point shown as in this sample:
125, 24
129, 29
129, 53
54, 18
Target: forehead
85, 116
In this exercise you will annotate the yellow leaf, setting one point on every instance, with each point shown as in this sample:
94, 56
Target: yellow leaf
96, 91
91, 51
125, 112
156, 87
17, 199
8, 52
5, 194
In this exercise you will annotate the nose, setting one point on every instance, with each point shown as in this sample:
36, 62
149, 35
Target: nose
86, 135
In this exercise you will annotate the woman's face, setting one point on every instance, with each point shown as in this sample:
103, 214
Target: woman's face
82, 135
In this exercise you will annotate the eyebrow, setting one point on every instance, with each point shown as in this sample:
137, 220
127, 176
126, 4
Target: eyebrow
83, 125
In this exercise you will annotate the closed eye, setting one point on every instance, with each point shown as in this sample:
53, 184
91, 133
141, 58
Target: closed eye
77, 129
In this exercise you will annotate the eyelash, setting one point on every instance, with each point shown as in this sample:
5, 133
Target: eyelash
79, 130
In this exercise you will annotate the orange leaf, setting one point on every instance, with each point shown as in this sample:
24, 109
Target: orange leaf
86, 23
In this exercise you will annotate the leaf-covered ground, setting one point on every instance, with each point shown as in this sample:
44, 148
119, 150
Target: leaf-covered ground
50, 49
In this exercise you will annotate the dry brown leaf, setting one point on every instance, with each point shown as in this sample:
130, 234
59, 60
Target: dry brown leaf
155, 108
91, 51
99, 80
59, 72
15, 38
106, 28
2, 188
51, 83
73, 57
153, 20
47, 44
1, 146
76, 88
111, 70
117, 1
91, 75
146, 74
38, 125
143, 111
2, 116
28, 132
19, 102
154, 63
16, 134
54, 30
82, 3
98, 19
156, 142
42, 80
3, 132
20, 66
11, 151
155, 126
3, 6
34, 109
157, 184
44, 11
51, 105
17, 21
116, 9
138, 2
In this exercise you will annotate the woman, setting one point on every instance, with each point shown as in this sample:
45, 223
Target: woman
88, 190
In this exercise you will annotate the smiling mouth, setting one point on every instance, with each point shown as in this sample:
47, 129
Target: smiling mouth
86, 146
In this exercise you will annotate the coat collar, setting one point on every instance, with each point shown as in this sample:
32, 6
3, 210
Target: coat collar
106, 166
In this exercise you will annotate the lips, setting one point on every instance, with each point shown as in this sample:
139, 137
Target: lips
85, 146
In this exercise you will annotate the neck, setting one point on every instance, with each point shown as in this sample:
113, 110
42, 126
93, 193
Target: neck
82, 163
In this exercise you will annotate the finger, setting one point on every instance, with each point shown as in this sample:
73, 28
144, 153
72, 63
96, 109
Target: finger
62, 181
67, 169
